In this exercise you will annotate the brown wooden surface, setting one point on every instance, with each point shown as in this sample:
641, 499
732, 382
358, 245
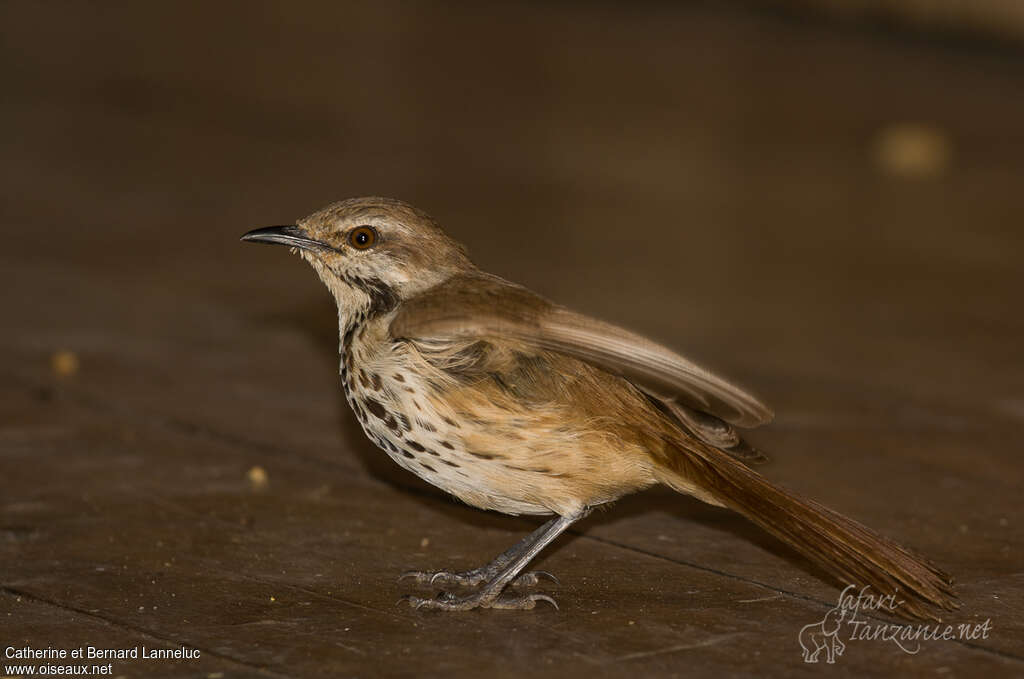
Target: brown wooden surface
978, 19
707, 177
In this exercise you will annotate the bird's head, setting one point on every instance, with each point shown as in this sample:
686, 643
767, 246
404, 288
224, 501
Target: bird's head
371, 252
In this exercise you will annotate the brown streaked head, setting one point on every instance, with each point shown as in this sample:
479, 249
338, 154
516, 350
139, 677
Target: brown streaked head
375, 245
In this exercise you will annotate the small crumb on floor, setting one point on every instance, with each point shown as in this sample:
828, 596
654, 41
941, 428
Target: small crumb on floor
912, 150
258, 478
64, 363
425, 542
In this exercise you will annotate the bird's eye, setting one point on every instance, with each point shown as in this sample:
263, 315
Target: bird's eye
362, 237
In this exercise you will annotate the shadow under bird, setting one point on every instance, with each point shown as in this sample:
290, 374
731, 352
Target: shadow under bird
515, 404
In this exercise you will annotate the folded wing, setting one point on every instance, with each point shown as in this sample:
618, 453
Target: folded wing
481, 306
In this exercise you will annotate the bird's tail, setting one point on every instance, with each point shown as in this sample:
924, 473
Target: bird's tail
851, 552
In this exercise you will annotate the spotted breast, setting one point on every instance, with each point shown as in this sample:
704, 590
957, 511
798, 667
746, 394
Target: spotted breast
396, 405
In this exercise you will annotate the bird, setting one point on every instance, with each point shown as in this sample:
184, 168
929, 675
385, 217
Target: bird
515, 404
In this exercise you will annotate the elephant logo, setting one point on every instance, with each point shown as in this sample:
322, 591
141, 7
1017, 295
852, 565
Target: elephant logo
823, 636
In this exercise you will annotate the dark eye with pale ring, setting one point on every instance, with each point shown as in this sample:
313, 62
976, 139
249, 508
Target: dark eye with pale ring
362, 237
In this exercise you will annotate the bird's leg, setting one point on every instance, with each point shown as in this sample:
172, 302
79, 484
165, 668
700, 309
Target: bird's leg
476, 576
515, 560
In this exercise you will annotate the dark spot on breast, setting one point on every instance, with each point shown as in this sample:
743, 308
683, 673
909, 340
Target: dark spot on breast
419, 448
398, 377
376, 408
408, 454
537, 470
427, 466
486, 456
426, 425
363, 379
410, 390
392, 424
405, 421
449, 463
450, 422
375, 378
416, 403
447, 445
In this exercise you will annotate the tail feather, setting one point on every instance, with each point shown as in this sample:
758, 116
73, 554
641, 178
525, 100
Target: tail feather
848, 550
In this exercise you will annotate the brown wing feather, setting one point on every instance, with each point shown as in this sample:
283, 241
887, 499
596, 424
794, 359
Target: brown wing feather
483, 306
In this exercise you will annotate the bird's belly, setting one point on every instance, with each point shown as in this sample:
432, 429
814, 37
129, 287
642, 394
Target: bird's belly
506, 461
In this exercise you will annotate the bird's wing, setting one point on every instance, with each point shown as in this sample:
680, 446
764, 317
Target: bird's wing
481, 306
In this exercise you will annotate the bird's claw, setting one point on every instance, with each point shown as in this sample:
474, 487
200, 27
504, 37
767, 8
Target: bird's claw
446, 601
473, 578
431, 578
533, 578
523, 603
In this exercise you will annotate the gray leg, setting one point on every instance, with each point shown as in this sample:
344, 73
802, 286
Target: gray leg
490, 595
474, 577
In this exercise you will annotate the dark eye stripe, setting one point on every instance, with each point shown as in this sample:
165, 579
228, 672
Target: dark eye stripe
362, 237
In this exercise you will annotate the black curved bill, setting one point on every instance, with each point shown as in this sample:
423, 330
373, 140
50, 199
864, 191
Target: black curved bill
292, 236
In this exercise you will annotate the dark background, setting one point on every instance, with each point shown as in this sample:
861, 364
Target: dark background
823, 200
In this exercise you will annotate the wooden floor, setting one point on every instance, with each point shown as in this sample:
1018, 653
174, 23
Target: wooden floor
728, 182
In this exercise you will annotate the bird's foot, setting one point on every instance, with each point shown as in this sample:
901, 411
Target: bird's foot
446, 601
472, 578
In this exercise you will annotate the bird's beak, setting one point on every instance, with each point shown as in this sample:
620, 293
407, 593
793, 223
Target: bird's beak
292, 236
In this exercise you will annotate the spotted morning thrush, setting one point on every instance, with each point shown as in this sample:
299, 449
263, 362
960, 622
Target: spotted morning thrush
512, 403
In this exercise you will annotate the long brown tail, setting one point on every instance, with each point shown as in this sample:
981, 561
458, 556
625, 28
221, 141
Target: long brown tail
851, 552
